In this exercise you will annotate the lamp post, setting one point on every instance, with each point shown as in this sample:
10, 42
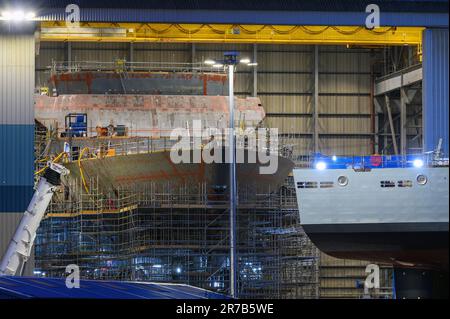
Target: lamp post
230, 61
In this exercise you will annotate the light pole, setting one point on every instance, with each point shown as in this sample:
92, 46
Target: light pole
230, 61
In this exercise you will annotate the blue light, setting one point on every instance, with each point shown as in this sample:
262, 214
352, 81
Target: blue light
321, 166
334, 158
178, 270
418, 163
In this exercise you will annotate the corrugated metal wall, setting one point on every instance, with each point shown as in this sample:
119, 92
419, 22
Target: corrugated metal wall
344, 92
17, 63
285, 85
435, 89
16, 132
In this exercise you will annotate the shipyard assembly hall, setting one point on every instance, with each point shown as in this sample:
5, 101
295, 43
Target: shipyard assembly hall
230, 150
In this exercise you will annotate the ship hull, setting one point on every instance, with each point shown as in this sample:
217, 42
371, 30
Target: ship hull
147, 115
381, 215
137, 171
415, 245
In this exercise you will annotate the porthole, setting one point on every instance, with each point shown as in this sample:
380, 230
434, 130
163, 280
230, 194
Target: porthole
342, 180
421, 179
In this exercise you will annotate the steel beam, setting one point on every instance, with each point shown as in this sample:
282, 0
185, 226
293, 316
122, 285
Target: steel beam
131, 52
193, 53
403, 140
316, 100
230, 33
255, 71
391, 124
233, 189
397, 80
68, 54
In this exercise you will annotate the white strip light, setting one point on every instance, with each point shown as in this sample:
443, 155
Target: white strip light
17, 15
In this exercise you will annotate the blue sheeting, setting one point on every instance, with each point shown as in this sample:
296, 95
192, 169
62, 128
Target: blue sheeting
435, 90
31, 287
430, 13
16, 166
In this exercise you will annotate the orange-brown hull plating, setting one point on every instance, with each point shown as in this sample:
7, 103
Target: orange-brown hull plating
148, 115
137, 170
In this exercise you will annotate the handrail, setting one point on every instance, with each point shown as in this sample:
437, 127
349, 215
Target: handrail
111, 146
125, 66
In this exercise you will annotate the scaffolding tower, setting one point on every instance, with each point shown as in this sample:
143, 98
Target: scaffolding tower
163, 233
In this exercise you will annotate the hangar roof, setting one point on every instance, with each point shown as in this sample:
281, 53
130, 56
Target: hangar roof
432, 13
274, 5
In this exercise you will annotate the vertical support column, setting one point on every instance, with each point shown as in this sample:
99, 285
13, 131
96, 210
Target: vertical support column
376, 147
316, 100
131, 52
377, 110
372, 107
17, 80
255, 71
131, 55
391, 124
68, 54
194, 58
193, 53
403, 139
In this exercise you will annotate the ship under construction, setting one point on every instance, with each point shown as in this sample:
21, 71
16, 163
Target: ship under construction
126, 212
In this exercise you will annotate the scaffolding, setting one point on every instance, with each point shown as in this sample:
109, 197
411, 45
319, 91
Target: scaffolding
179, 234
344, 278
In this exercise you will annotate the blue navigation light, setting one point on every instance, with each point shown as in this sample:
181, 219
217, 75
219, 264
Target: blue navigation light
321, 165
418, 163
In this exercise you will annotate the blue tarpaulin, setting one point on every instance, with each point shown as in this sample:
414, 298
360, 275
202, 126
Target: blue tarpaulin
32, 287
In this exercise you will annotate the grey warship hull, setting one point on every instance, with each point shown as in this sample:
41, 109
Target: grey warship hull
397, 216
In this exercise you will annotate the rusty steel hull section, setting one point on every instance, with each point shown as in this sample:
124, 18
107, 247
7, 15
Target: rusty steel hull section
155, 83
147, 115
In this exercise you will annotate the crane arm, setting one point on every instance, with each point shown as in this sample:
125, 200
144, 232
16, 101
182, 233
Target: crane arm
19, 249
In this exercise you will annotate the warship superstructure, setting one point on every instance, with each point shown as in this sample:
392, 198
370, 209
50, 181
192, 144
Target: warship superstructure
116, 123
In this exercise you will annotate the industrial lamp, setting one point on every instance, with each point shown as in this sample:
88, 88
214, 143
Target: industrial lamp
17, 15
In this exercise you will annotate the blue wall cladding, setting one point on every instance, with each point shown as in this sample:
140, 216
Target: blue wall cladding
17, 64
435, 89
16, 167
